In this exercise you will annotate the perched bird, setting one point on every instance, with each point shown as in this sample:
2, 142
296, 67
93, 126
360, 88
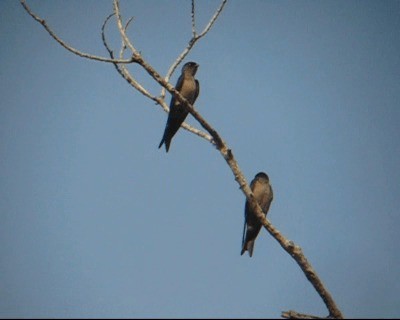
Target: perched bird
188, 87
262, 192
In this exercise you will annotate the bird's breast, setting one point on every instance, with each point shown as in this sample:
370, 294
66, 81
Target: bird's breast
189, 89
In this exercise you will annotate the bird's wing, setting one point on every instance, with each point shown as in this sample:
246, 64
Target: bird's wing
178, 87
245, 225
197, 90
270, 197
246, 210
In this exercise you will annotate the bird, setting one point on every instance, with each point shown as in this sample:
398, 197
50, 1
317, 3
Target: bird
189, 88
262, 191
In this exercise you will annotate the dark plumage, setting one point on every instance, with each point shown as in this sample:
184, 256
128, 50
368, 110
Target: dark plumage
188, 87
263, 194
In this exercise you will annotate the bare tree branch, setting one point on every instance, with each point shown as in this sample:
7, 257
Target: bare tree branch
289, 246
295, 315
121, 69
213, 19
131, 80
193, 21
66, 46
193, 41
121, 29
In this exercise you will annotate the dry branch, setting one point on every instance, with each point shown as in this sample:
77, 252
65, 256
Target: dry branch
196, 37
65, 45
289, 246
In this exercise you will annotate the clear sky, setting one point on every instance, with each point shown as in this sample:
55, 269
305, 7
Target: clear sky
96, 221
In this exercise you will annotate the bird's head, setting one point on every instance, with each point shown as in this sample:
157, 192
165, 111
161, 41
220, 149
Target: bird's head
262, 175
190, 67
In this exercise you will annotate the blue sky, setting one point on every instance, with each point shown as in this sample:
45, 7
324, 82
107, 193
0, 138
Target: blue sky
96, 221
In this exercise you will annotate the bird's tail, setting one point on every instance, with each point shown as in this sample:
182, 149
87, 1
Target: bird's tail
246, 244
166, 142
249, 246
161, 143
244, 231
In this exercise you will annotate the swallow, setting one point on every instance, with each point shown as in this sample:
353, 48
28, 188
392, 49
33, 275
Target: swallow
188, 87
263, 194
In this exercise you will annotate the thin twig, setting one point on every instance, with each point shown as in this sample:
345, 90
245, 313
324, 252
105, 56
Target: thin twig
192, 42
128, 77
214, 18
193, 21
127, 24
66, 46
296, 315
122, 29
121, 68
